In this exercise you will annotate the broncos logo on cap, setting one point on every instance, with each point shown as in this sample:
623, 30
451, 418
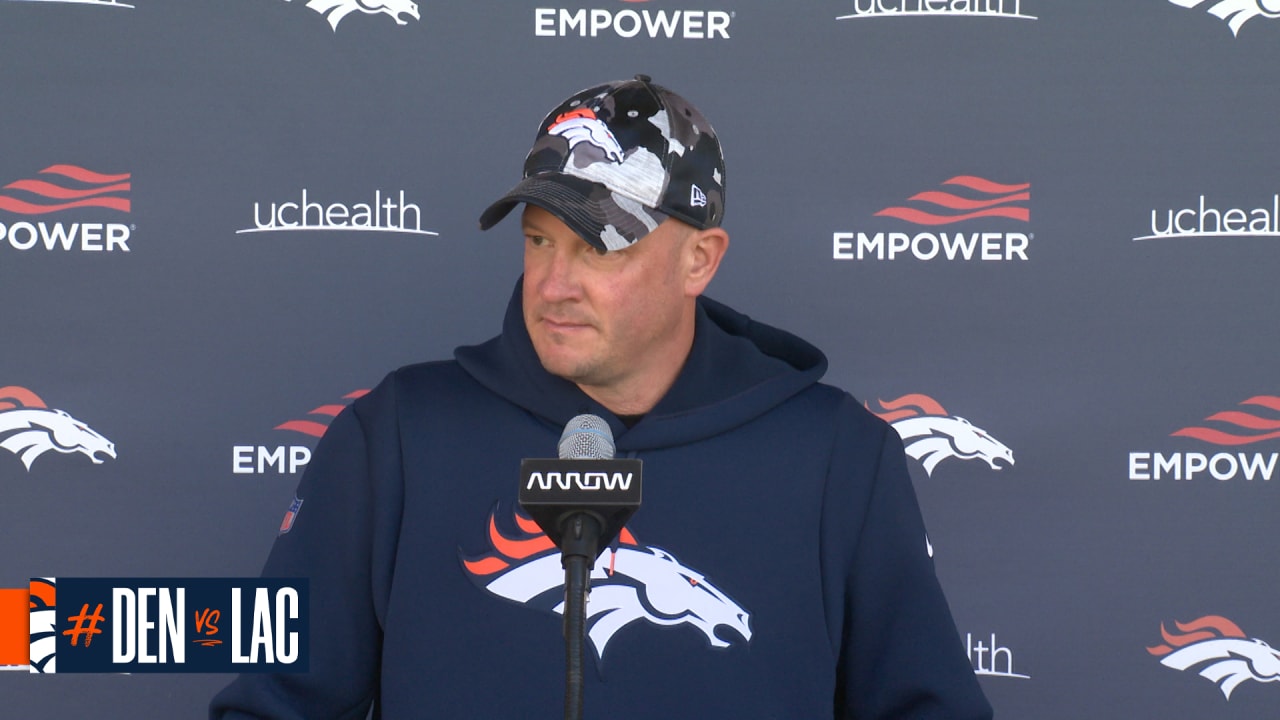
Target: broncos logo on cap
629, 583
582, 126
335, 10
931, 435
1228, 657
30, 429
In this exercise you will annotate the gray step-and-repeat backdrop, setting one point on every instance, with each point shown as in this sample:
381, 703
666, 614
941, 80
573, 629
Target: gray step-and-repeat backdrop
1041, 237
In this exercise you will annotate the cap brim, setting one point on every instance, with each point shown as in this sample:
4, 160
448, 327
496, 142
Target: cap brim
600, 217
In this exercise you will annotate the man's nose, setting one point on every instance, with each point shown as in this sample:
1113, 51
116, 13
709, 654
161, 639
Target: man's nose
560, 279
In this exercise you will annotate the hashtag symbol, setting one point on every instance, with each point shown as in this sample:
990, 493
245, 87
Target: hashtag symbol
80, 630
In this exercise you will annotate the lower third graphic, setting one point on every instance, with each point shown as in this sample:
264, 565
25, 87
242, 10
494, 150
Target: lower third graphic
133, 625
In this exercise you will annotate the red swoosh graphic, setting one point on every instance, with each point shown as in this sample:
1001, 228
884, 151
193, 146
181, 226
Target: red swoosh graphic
920, 217
306, 427
26, 208
76, 172
1217, 437
955, 202
330, 410
45, 189
984, 185
1245, 420
1267, 401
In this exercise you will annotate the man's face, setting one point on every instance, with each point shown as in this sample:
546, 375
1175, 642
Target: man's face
606, 321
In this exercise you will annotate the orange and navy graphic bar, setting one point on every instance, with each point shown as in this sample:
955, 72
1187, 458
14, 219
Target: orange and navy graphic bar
156, 625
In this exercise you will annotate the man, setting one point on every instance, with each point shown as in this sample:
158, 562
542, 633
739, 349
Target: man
778, 566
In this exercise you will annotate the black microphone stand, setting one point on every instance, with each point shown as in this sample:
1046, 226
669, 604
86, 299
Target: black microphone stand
581, 535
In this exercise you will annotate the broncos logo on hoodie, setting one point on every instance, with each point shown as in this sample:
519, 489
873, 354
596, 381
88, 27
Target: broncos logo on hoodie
629, 583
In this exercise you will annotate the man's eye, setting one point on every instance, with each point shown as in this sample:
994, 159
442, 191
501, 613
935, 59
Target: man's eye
600, 251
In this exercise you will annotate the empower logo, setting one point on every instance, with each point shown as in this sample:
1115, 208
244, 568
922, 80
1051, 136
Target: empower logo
1235, 12
289, 459
29, 428
629, 583
1257, 420
335, 10
1219, 648
925, 8
961, 199
931, 435
1205, 221
594, 22
61, 188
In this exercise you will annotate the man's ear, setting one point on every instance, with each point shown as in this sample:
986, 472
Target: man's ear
705, 250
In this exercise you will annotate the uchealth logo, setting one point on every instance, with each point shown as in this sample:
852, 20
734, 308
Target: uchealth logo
629, 22
990, 658
1207, 219
940, 225
1219, 651
28, 203
630, 583
1235, 12
389, 213
29, 428
282, 459
933, 8
1254, 421
334, 11
931, 435
96, 3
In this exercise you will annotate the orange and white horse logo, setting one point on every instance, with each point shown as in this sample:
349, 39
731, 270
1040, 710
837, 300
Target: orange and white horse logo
1225, 655
29, 429
630, 583
335, 10
931, 435
1235, 12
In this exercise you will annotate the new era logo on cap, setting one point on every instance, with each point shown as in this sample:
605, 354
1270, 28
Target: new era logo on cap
697, 198
615, 160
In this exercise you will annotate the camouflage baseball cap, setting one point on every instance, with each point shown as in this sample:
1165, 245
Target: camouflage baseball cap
615, 160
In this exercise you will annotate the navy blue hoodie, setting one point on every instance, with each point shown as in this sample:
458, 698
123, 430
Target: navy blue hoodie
777, 568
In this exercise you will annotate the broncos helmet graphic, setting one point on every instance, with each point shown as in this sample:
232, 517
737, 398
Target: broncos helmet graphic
630, 583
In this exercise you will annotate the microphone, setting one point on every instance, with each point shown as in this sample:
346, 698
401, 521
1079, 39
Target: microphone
581, 501
585, 485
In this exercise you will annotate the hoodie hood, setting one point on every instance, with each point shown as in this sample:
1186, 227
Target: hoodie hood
737, 370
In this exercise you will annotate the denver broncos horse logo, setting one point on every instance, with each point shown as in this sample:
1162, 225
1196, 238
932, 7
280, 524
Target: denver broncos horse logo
582, 126
1229, 657
932, 436
335, 10
1236, 12
32, 429
630, 583
44, 636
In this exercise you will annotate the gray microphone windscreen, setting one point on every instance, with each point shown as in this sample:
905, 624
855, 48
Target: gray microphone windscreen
587, 437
